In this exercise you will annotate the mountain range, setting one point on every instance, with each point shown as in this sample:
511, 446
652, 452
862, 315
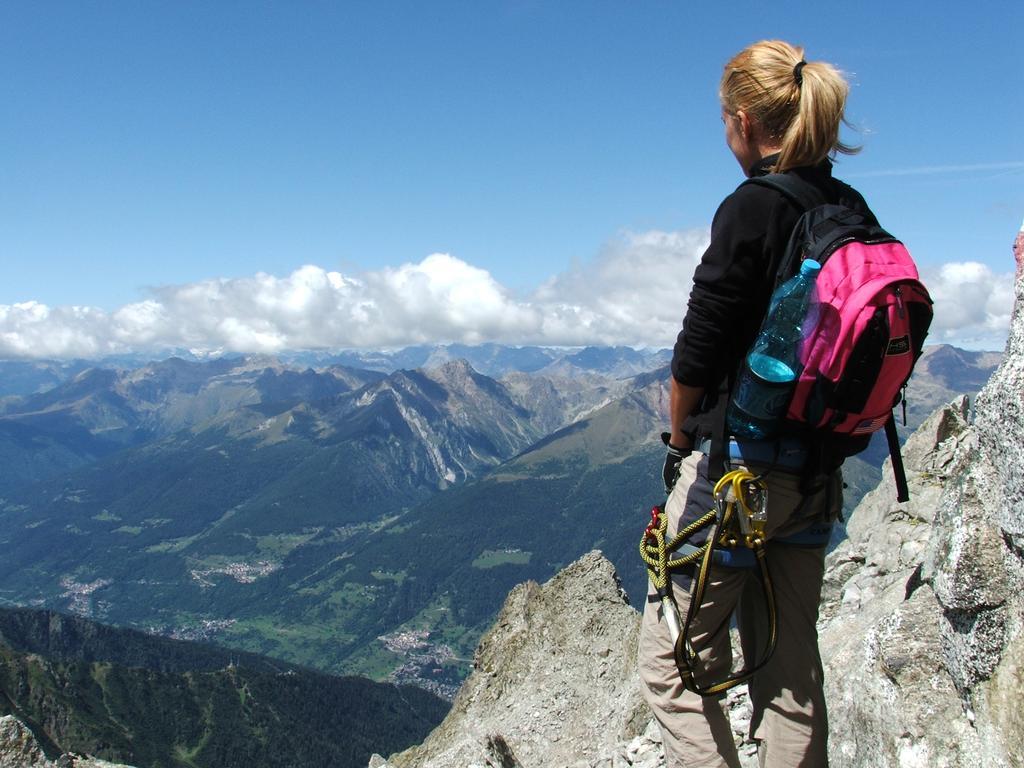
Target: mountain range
349, 519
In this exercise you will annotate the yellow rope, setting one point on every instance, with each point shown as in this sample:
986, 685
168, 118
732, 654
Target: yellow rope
734, 488
654, 549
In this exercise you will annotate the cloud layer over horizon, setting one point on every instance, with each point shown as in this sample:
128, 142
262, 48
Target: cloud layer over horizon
632, 293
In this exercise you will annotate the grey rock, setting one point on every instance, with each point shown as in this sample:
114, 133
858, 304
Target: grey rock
20, 749
554, 680
1000, 424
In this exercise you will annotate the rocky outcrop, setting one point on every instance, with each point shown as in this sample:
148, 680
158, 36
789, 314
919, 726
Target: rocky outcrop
19, 749
923, 610
891, 700
554, 681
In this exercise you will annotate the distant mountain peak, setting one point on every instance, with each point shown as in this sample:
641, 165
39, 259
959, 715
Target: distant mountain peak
458, 366
459, 374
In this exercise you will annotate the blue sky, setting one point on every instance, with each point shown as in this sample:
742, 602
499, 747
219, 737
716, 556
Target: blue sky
163, 160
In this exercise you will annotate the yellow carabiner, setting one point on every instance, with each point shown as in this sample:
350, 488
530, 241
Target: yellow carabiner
742, 487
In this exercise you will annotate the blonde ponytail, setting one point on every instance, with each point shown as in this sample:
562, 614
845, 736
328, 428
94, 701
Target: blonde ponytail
799, 104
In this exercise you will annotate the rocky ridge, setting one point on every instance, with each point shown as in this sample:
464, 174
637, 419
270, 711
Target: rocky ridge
554, 680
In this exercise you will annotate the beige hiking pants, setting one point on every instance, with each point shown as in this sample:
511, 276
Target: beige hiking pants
789, 720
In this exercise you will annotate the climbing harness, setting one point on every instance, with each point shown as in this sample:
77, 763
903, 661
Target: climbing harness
735, 539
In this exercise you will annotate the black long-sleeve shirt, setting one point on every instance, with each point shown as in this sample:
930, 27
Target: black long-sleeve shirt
733, 284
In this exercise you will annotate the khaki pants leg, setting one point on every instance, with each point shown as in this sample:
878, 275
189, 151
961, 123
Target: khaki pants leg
695, 729
789, 718
789, 712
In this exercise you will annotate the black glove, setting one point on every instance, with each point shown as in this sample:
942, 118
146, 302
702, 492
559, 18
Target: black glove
673, 458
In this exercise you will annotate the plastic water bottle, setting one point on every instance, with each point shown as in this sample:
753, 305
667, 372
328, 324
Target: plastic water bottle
772, 366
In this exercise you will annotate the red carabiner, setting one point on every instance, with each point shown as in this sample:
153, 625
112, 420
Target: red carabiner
651, 526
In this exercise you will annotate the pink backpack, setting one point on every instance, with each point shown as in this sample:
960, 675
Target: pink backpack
874, 315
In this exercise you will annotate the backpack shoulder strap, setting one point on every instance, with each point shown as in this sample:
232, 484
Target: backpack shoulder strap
802, 193
805, 196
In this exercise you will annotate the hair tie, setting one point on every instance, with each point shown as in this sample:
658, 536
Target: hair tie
798, 73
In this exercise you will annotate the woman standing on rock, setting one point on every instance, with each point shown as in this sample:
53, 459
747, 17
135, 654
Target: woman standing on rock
781, 114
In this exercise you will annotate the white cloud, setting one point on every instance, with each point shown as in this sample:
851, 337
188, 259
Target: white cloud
31, 329
633, 292
973, 305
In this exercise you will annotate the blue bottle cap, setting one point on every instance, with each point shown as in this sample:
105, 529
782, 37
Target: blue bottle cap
809, 267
